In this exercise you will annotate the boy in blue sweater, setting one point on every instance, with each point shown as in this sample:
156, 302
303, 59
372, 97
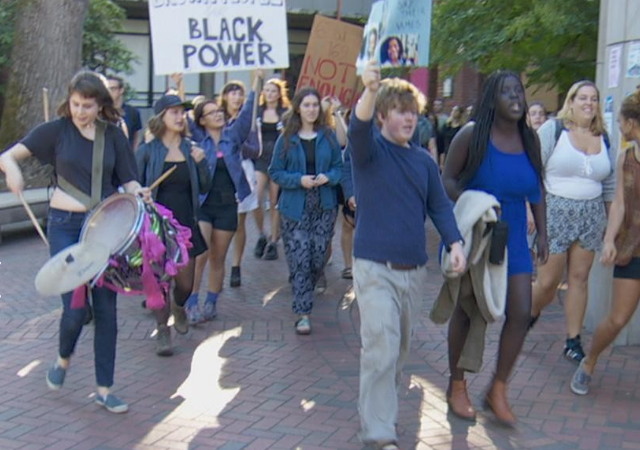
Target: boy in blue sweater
397, 184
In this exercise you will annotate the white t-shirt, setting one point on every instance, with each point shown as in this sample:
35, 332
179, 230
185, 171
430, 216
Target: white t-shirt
571, 173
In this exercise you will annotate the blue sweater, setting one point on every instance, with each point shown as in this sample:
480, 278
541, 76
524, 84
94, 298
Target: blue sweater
287, 168
396, 188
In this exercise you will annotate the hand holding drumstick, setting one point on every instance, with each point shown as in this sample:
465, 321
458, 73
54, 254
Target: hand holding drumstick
145, 192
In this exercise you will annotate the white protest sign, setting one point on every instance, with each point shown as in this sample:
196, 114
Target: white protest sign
398, 33
193, 36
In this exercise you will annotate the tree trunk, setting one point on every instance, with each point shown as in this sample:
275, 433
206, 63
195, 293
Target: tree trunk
47, 51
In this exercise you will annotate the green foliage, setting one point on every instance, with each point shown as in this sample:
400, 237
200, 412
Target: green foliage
7, 21
391, 72
101, 50
552, 41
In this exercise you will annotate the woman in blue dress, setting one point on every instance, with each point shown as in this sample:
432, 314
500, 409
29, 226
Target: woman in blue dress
499, 154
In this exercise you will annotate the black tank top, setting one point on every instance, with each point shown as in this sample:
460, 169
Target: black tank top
175, 192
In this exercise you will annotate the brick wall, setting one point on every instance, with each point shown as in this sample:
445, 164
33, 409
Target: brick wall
466, 88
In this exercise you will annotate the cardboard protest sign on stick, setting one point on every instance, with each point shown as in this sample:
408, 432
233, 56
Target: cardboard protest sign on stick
212, 36
328, 64
397, 34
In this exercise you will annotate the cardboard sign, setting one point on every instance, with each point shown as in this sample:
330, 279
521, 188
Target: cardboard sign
218, 35
328, 64
397, 34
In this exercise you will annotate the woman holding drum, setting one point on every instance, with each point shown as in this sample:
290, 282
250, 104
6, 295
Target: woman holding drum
69, 143
179, 192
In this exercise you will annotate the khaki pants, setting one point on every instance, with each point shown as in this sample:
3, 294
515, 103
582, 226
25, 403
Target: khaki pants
387, 300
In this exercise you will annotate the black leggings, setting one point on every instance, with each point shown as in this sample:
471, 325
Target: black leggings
182, 286
514, 330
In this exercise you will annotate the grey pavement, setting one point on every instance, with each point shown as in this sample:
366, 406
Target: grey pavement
246, 381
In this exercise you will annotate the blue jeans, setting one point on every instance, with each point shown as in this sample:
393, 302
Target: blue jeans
63, 229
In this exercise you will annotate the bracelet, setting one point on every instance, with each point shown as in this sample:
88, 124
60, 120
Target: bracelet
448, 247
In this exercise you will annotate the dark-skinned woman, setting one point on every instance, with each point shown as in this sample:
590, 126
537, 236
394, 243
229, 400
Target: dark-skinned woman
498, 154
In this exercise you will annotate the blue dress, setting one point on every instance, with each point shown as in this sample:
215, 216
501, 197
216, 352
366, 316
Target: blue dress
511, 178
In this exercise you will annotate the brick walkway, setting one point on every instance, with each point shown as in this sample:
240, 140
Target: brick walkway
246, 381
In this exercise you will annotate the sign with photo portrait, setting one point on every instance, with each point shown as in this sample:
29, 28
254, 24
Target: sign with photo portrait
397, 34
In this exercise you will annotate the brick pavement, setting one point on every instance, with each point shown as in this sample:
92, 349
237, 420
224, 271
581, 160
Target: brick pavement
246, 381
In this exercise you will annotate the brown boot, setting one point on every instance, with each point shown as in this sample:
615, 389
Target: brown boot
496, 400
458, 400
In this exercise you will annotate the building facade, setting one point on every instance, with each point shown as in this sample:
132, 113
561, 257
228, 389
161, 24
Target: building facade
146, 86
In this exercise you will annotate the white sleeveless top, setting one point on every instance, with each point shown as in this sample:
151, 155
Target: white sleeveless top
571, 173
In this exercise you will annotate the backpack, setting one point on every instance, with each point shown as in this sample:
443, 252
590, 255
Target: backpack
560, 127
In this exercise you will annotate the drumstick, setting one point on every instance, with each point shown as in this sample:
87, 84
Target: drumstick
33, 218
45, 103
162, 177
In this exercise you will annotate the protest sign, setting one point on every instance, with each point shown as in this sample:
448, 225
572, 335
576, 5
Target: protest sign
397, 34
328, 62
218, 35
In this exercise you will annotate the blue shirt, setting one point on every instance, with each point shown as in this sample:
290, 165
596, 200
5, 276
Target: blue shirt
288, 166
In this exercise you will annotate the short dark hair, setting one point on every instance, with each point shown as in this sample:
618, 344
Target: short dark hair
90, 85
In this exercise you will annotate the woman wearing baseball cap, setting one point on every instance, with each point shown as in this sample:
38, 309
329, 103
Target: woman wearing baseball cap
179, 192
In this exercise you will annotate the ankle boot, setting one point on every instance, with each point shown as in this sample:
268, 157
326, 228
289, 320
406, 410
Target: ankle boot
163, 341
496, 401
458, 400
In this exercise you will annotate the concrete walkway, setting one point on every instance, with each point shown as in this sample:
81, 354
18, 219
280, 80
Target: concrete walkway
246, 381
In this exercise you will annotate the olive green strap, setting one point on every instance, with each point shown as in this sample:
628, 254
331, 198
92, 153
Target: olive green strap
96, 172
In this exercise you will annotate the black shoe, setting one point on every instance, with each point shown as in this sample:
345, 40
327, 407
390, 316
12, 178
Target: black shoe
260, 245
533, 320
272, 251
235, 279
573, 350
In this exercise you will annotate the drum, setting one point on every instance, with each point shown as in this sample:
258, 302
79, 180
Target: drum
143, 240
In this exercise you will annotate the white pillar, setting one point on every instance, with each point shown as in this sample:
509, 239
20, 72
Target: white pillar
619, 26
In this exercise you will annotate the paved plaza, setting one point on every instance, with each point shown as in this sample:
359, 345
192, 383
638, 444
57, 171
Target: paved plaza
246, 381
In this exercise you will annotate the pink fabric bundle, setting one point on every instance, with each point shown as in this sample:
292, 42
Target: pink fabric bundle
154, 284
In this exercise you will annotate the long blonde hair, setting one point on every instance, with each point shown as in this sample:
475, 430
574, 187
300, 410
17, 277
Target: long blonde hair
566, 114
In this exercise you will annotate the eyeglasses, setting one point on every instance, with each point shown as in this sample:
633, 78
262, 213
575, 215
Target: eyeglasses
214, 112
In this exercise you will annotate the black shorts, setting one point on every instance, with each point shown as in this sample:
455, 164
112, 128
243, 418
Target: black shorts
221, 217
349, 215
630, 271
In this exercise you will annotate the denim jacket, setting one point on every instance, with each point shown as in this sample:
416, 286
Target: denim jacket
233, 135
287, 168
150, 159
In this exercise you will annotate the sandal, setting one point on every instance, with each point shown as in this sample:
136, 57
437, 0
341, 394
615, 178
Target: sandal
347, 274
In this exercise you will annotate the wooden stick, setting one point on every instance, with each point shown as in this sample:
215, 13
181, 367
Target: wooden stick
162, 177
33, 218
45, 103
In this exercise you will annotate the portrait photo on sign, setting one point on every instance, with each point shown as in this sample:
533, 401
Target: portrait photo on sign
369, 44
399, 50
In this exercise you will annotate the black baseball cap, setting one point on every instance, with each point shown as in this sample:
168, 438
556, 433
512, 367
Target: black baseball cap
169, 101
